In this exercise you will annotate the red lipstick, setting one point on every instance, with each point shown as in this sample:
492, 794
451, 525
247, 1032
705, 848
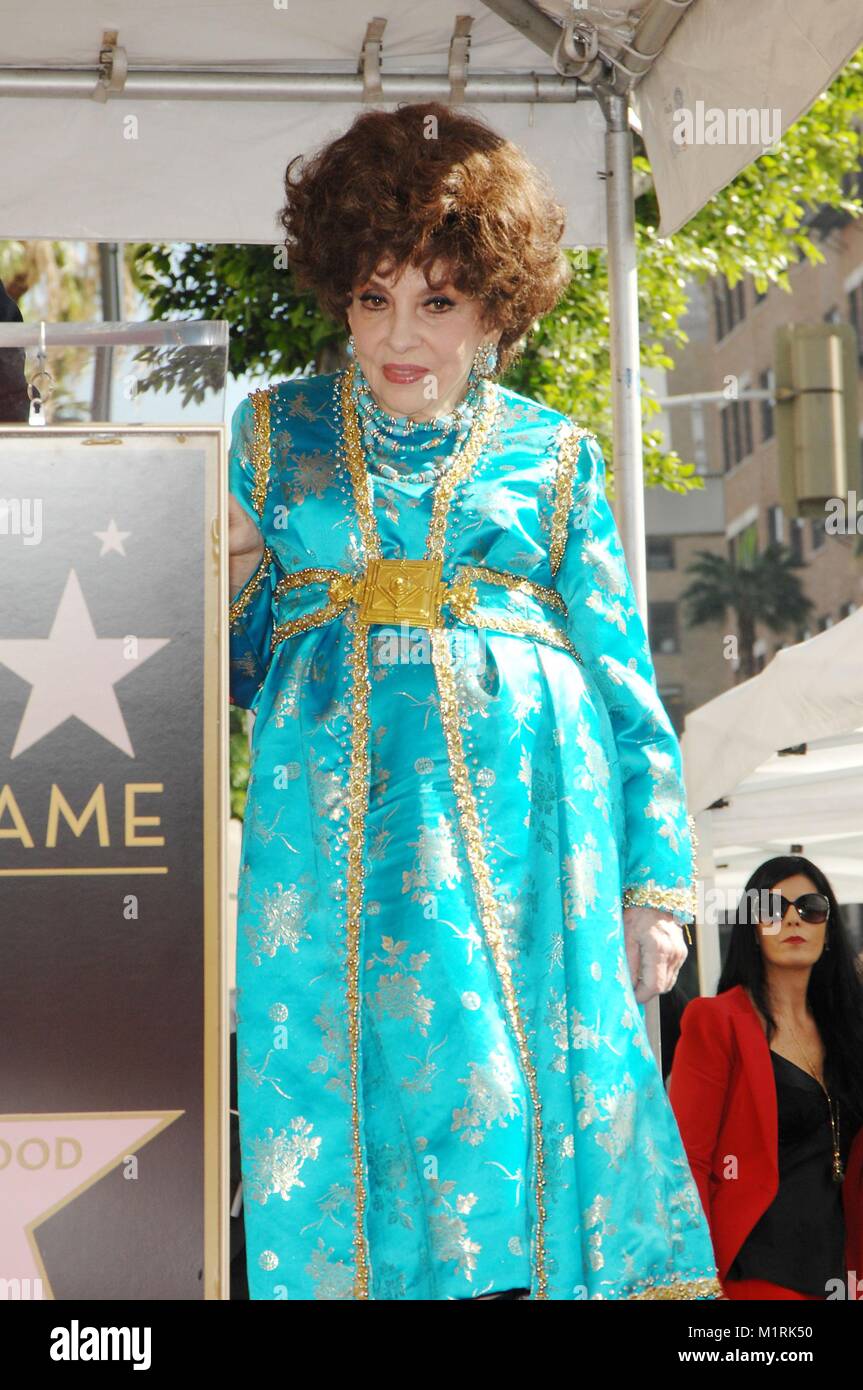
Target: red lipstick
403, 373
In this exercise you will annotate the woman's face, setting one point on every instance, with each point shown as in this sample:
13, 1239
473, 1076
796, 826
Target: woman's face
796, 943
415, 344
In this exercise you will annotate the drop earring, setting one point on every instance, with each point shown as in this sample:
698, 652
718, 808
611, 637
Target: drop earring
350, 348
484, 361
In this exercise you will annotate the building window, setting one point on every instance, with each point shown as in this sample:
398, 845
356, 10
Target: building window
743, 548
832, 315
855, 315
662, 622
746, 417
817, 532
660, 552
767, 381
775, 525
736, 432
727, 455
796, 539
729, 306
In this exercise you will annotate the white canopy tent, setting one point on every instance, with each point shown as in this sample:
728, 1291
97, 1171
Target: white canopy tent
173, 122
777, 762
259, 83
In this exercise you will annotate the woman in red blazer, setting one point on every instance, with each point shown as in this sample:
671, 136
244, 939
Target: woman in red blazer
767, 1088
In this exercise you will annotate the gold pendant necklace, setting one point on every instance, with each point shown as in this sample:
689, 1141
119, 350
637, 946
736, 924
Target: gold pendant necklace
837, 1171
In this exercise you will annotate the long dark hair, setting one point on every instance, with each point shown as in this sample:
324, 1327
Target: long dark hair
835, 992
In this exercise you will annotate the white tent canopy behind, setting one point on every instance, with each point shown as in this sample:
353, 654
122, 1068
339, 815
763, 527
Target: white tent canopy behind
173, 155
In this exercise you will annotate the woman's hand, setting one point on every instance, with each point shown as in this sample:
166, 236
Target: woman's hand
245, 545
655, 950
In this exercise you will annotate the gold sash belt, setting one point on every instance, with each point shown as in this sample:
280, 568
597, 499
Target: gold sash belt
413, 592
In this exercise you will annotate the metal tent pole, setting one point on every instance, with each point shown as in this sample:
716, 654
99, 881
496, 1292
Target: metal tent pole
626, 378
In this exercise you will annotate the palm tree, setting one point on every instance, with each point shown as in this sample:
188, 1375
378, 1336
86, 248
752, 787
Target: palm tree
765, 591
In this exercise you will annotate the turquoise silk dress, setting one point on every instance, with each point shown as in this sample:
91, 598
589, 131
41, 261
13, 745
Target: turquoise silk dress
461, 772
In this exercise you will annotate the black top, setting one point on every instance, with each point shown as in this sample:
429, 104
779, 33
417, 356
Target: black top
799, 1241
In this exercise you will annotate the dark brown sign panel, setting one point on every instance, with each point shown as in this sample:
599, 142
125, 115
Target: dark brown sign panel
113, 787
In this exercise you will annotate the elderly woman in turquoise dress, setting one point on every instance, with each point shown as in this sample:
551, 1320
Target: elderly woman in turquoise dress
466, 852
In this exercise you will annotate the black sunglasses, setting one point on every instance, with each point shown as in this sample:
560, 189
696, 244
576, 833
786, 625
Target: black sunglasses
811, 907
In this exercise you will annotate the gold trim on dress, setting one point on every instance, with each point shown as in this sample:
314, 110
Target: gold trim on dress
251, 586
490, 916
422, 603
650, 894
567, 460
358, 801
261, 447
526, 627
683, 1288
553, 597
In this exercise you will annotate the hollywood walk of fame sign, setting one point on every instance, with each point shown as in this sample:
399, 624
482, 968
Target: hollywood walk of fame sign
113, 808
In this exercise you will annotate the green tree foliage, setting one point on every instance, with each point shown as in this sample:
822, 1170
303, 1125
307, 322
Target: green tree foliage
764, 591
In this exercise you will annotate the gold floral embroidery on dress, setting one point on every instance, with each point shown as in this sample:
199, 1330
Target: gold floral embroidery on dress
277, 1160
332, 1060
334, 1280
255, 1076
436, 863
491, 1097
596, 1221
595, 768
264, 832
311, 474
581, 868
279, 922
400, 995
583, 1089
619, 1104
449, 1232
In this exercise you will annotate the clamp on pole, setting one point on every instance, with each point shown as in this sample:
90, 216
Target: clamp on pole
113, 67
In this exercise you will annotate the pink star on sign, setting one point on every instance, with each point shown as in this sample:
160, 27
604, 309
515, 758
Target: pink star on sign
73, 672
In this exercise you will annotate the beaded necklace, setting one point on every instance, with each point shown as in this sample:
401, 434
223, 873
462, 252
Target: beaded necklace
394, 444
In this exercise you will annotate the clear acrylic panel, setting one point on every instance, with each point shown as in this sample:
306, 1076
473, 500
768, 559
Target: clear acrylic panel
123, 373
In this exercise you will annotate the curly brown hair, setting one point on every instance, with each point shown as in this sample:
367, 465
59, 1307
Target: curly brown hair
423, 183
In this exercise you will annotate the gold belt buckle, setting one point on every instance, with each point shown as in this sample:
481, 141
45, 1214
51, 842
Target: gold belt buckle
396, 591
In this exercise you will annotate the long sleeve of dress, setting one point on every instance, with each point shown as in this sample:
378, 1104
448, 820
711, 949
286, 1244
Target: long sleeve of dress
250, 622
605, 626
